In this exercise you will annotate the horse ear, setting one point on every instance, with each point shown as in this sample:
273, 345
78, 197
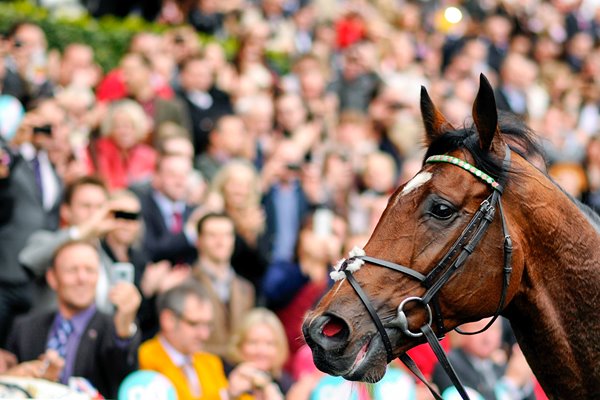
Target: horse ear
435, 123
485, 114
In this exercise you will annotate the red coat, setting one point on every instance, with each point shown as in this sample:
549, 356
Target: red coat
120, 169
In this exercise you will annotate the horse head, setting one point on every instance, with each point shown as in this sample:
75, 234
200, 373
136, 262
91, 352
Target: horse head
407, 271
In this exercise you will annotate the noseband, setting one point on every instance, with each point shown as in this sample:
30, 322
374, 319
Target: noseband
441, 273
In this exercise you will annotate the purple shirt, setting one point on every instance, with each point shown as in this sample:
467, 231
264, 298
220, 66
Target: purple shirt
80, 321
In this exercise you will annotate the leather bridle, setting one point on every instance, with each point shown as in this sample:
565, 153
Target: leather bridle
441, 273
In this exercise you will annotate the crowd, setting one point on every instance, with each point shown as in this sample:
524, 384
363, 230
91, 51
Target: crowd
182, 212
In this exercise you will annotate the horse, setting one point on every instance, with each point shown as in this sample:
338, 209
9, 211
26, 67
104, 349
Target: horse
478, 232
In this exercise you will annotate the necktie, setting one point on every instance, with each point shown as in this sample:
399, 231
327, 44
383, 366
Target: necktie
177, 223
35, 164
192, 377
59, 339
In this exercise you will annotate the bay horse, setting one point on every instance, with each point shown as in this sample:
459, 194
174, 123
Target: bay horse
478, 232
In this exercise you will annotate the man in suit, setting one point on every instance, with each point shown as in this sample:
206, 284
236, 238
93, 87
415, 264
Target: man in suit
285, 201
476, 363
178, 351
30, 198
165, 212
86, 212
92, 344
231, 295
205, 103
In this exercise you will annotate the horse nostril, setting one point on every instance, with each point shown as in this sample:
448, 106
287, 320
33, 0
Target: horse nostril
329, 332
333, 327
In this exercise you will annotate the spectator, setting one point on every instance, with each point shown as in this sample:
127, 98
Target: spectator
166, 212
205, 103
291, 114
357, 80
113, 86
206, 17
179, 351
26, 76
77, 67
284, 200
31, 193
292, 288
121, 157
235, 191
98, 347
260, 346
258, 113
473, 360
87, 216
226, 142
517, 73
231, 295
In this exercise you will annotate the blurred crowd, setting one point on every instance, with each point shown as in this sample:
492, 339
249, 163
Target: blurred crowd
227, 183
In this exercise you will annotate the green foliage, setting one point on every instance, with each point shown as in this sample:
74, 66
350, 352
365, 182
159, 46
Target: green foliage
109, 36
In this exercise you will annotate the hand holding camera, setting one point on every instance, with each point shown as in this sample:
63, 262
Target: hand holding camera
247, 379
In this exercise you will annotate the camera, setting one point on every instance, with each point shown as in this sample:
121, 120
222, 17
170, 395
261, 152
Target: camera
43, 130
128, 215
293, 167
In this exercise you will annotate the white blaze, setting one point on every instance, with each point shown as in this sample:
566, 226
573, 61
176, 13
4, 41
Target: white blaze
416, 182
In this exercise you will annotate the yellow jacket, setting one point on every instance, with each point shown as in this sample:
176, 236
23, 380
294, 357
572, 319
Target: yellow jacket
213, 383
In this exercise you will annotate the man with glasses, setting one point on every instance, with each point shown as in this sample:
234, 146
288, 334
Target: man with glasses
177, 351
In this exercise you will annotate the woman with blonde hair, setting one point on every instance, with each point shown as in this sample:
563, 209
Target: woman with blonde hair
120, 155
235, 191
259, 349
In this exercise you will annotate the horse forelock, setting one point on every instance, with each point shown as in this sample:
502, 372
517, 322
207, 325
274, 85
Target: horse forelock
520, 138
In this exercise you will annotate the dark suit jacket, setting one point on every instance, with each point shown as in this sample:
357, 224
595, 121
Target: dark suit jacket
503, 103
204, 120
468, 374
268, 201
159, 242
26, 216
98, 358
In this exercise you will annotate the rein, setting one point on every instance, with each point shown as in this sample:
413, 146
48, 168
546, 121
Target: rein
456, 256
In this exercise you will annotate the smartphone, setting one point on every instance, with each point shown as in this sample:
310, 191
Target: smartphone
121, 272
322, 222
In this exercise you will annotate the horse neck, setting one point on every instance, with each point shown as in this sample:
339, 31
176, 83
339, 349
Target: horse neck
555, 311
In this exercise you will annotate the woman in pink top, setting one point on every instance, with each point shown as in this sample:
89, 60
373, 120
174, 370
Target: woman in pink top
120, 155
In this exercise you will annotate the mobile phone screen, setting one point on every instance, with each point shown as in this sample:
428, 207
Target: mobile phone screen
121, 272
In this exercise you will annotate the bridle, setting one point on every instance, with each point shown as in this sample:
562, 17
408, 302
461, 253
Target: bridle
441, 273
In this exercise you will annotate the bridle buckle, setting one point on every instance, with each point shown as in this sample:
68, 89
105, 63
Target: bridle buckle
403, 320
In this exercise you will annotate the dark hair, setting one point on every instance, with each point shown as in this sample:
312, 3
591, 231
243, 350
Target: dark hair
208, 216
12, 30
144, 60
84, 180
174, 298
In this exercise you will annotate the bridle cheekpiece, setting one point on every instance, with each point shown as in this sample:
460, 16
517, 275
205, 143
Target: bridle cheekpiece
435, 279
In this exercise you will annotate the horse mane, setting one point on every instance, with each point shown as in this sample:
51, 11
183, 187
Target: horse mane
520, 138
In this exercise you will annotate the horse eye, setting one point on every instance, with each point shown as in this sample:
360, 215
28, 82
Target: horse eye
442, 211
